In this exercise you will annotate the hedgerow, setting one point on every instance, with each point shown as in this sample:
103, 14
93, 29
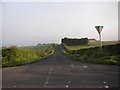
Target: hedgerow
109, 54
14, 56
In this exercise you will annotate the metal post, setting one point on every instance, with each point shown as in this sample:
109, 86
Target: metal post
100, 42
99, 29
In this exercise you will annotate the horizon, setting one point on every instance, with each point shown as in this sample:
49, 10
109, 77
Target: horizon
54, 43
27, 24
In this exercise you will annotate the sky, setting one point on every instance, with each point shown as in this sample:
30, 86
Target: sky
30, 23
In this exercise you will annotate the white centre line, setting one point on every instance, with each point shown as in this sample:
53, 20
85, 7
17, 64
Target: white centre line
46, 82
72, 65
104, 82
85, 66
68, 81
67, 86
48, 77
14, 86
106, 86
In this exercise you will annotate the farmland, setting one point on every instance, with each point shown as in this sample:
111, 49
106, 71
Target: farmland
91, 45
91, 53
12, 56
38, 47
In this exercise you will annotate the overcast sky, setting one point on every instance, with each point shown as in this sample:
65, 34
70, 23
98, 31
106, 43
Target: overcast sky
29, 23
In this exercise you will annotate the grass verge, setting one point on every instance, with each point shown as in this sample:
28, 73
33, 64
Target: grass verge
25, 61
109, 55
12, 56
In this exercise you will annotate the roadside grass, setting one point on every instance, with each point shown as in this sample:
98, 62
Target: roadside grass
20, 62
24, 61
98, 60
12, 56
109, 55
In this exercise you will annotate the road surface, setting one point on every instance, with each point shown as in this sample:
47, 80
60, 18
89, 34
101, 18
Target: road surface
57, 71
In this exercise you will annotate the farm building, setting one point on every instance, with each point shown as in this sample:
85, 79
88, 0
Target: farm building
92, 40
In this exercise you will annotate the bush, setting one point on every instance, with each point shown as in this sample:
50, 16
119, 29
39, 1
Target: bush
110, 54
51, 48
12, 55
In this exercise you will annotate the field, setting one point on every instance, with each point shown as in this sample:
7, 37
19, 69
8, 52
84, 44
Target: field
92, 53
12, 56
92, 45
39, 47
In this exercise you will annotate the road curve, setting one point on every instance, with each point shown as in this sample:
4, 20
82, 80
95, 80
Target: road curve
57, 71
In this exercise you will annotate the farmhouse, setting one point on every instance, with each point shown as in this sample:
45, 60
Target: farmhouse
92, 40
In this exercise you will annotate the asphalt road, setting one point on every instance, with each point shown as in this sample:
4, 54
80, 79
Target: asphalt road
57, 71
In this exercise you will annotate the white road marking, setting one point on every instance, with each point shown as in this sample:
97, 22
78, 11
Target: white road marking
46, 82
72, 65
48, 77
14, 86
106, 86
67, 86
85, 66
68, 81
104, 82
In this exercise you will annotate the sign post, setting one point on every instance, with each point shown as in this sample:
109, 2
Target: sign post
99, 29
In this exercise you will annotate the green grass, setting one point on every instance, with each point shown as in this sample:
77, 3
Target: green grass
39, 47
110, 60
24, 61
92, 54
92, 45
20, 62
13, 56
